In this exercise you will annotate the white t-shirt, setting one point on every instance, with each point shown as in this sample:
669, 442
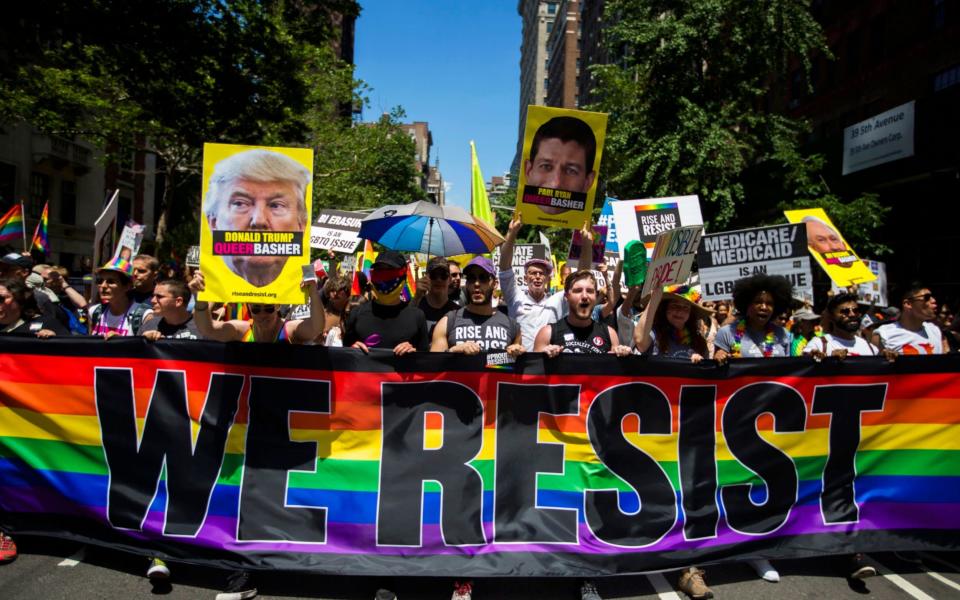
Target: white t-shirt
855, 347
530, 314
929, 340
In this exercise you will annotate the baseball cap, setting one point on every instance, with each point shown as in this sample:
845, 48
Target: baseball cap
17, 260
391, 259
483, 262
805, 314
539, 262
438, 263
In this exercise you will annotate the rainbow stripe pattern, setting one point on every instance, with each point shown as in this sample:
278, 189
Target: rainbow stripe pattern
52, 464
11, 224
40, 241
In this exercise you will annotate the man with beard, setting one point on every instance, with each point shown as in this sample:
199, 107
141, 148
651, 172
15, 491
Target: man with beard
477, 327
534, 308
433, 291
915, 331
578, 333
841, 324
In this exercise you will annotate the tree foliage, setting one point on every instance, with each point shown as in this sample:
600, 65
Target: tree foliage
170, 75
688, 88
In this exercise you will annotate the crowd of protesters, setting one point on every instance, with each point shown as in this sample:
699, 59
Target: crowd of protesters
481, 308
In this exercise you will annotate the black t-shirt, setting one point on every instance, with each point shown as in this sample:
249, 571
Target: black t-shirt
490, 332
385, 326
40, 322
592, 339
184, 331
435, 314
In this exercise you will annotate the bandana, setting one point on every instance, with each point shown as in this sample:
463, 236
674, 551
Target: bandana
388, 283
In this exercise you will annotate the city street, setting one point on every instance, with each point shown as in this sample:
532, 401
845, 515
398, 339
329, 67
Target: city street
54, 569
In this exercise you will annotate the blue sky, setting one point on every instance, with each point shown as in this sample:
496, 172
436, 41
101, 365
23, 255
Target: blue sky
454, 64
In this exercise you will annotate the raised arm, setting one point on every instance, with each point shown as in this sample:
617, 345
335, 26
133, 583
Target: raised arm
586, 247
308, 329
221, 331
641, 333
506, 250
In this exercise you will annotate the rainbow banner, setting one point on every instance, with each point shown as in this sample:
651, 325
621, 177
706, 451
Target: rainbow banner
277, 456
40, 241
11, 224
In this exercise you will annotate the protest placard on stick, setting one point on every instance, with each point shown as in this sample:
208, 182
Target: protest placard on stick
672, 257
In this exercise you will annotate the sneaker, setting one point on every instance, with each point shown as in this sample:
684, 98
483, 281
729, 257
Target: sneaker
158, 570
384, 594
588, 590
462, 591
692, 584
764, 570
859, 569
8, 549
239, 587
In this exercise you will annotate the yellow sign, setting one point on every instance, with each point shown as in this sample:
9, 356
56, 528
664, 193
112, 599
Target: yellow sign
830, 250
255, 212
561, 161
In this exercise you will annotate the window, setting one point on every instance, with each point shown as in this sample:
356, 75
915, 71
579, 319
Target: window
946, 78
39, 193
8, 185
549, 26
551, 8
68, 203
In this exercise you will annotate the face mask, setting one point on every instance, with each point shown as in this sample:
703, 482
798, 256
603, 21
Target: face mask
388, 283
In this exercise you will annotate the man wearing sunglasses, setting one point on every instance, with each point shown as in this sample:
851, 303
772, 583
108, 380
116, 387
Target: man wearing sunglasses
478, 327
387, 322
914, 332
265, 324
841, 324
434, 286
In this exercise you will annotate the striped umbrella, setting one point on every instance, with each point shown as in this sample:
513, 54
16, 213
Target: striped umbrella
429, 228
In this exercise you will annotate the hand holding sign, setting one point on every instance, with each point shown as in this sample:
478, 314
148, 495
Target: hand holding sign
673, 256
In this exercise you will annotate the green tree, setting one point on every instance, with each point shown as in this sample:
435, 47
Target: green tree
686, 94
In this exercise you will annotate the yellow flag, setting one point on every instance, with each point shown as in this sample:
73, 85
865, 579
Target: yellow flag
479, 203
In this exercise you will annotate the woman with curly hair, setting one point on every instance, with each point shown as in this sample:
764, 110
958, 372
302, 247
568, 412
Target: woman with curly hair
754, 334
670, 326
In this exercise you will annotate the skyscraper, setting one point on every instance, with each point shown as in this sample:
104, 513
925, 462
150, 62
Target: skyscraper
538, 17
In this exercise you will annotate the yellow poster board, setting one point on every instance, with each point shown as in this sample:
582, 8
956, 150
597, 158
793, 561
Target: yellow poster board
560, 167
253, 223
829, 249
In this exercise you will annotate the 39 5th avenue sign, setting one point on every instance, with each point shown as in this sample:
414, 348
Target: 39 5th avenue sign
287, 457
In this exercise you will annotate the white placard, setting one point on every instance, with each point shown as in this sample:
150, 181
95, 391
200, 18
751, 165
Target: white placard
880, 139
645, 219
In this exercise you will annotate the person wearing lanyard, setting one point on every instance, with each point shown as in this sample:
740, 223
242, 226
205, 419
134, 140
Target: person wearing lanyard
116, 314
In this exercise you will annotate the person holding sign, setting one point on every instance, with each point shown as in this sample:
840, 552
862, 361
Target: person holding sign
672, 328
265, 324
533, 308
578, 333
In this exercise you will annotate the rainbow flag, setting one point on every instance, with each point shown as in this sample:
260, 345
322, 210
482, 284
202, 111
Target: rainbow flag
364, 262
11, 224
321, 459
40, 241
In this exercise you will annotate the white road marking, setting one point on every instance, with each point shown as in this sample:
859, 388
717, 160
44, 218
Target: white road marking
72, 560
662, 587
903, 584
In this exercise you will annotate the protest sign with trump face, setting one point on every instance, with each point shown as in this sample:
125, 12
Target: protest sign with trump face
256, 207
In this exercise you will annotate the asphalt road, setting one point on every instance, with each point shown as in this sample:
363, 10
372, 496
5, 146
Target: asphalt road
53, 569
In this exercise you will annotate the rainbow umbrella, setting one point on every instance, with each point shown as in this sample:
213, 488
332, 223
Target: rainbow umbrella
429, 228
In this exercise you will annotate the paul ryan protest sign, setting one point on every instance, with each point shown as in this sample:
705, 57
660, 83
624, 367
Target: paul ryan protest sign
644, 220
561, 161
731, 255
829, 249
254, 217
272, 456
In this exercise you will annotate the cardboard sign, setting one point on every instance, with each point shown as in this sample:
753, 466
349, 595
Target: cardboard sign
606, 218
873, 292
193, 256
521, 254
645, 219
104, 230
561, 160
599, 245
254, 217
673, 257
336, 230
129, 244
725, 257
829, 249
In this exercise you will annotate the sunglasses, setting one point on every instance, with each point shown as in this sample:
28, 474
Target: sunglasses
438, 275
481, 277
849, 311
256, 310
101, 281
922, 297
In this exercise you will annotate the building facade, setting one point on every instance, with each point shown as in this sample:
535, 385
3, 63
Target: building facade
419, 132
538, 17
563, 50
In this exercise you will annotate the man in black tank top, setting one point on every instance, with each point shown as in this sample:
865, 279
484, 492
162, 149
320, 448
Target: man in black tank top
578, 333
477, 327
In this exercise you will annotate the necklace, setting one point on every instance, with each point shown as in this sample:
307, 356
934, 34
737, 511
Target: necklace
769, 338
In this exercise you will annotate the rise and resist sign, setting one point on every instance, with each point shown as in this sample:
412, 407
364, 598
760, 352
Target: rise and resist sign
274, 456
